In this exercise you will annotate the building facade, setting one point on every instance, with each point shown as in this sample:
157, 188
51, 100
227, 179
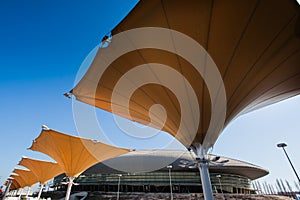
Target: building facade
227, 175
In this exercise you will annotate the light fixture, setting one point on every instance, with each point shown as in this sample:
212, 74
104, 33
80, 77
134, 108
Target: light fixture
283, 145
45, 128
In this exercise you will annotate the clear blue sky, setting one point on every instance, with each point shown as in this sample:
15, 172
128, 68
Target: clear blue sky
42, 45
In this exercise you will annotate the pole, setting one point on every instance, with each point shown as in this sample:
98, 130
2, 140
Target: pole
219, 178
40, 192
205, 179
119, 181
71, 179
170, 178
204, 172
28, 192
20, 194
6, 189
291, 165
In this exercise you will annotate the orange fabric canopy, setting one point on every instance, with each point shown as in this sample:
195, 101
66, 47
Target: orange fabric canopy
43, 170
254, 44
28, 176
73, 154
14, 185
20, 181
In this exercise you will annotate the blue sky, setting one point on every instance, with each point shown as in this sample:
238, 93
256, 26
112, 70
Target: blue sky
42, 45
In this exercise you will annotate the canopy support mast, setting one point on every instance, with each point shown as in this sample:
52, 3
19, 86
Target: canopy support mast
40, 192
204, 171
71, 179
